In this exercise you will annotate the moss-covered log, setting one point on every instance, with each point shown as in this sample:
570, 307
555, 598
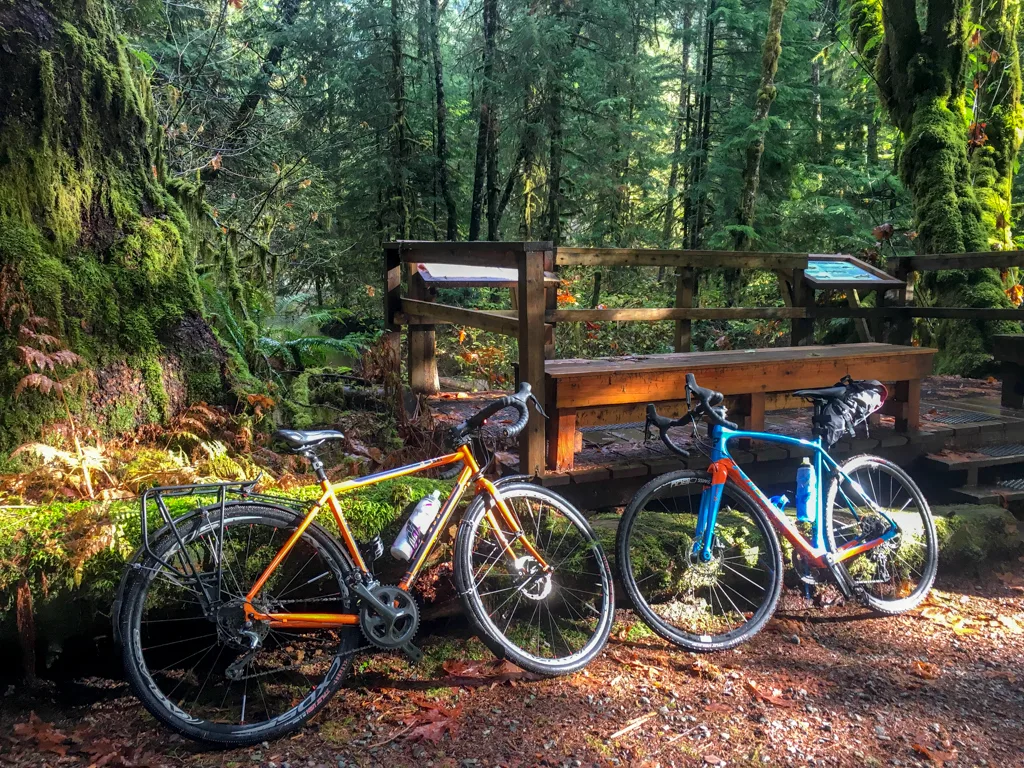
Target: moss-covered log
92, 234
920, 61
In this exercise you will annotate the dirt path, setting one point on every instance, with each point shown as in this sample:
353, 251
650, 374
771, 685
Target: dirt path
825, 686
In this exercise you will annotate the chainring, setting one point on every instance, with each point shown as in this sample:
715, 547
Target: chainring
383, 632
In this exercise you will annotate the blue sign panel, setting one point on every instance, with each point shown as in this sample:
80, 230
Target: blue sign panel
838, 271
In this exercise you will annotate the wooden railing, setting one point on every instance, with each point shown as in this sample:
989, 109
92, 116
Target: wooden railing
535, 315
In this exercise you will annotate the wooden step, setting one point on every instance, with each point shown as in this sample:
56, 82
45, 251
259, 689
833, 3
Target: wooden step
971, 461
990, 494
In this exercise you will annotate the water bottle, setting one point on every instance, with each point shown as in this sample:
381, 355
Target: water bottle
419, 521
806, 492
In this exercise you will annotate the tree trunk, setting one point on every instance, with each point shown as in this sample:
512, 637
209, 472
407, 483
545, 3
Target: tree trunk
399, 128
93, 235
26, 624
484, 128
770, 52
452, 227
554, 215
696, 199
668, 227
998, 117
920, 69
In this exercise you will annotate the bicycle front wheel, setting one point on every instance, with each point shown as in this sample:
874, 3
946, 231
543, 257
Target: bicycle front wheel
207, 671
698, 605
549, 621
896, 575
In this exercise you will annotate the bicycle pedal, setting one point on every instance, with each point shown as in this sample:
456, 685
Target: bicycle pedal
413, 652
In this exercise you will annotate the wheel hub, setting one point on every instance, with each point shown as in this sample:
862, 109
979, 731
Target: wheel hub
536, 583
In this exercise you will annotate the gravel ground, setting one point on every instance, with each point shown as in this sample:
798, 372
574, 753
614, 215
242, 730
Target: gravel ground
825, 684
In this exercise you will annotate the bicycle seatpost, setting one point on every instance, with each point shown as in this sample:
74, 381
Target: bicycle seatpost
316, 464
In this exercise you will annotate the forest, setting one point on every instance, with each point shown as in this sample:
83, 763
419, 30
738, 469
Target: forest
195, 201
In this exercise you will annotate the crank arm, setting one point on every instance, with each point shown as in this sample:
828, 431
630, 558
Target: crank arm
414, 653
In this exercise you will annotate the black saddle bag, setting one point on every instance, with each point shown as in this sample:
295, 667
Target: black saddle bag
839, 417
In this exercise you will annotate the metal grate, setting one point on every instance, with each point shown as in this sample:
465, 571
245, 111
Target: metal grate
613, 427
1012, 483
959, 416
1000, 451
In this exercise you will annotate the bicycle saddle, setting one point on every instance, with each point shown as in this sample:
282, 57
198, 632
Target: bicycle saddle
825, 393
297, 440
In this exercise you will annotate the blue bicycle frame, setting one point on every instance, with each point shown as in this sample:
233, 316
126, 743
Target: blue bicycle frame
817, 552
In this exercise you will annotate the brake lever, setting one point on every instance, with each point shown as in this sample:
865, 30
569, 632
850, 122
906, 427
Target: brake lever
536, 404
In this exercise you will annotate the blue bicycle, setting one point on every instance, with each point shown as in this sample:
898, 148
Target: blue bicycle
698, 550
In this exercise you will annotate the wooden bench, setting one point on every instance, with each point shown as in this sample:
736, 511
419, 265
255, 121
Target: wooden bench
1008, 349
583, 393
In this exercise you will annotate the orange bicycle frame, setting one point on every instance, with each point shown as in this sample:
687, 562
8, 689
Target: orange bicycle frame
329, 498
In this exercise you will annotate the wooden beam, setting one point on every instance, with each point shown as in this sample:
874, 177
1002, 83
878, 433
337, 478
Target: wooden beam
476, 254
941, 313
531, 356
427, 313
646, 314
650, 257
586, 383
937, 261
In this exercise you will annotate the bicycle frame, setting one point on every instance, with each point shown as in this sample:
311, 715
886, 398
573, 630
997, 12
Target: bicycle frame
817, 553
470, 472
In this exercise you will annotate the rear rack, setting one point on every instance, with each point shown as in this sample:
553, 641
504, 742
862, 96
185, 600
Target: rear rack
221, 493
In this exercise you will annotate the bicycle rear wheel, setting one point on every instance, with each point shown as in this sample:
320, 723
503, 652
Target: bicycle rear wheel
550, 623
194, 667
896, 575
700, 606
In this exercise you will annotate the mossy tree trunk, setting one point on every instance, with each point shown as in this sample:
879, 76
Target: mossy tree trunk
91, 236
997, 116
920, 56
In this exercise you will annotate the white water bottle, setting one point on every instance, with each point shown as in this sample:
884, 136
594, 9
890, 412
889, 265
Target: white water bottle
419, 521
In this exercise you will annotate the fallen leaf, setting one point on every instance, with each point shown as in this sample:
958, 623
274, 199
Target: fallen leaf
925, 670
432, 722
494, 670
934, 755
771, 698
713, 760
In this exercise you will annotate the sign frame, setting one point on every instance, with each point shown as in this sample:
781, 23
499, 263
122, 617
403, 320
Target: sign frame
883, 280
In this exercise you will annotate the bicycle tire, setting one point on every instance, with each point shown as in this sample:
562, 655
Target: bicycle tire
772, 557
142, 681
497, 639
879, 604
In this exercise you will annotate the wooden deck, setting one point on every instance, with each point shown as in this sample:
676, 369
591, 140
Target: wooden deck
958, 414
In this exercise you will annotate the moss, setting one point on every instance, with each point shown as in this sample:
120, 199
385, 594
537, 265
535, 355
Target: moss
153, 379
972, 535
80, 548
204, 380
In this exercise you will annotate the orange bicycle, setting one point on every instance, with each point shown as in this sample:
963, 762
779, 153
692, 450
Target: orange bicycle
238, 622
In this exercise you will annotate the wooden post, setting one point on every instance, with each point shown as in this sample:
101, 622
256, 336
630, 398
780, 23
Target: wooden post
686, 283
903, 332
532, 338
550, 303
422, 341
908, 399
392, 339
803, 296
